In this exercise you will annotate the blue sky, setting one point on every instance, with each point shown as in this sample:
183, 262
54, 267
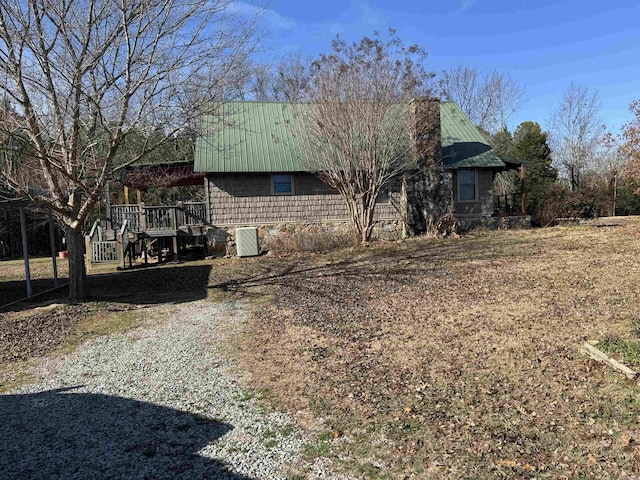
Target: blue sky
543, 44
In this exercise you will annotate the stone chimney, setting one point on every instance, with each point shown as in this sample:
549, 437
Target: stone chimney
427, 194
426, 131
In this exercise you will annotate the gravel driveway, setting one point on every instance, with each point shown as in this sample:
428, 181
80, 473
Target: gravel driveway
155, 403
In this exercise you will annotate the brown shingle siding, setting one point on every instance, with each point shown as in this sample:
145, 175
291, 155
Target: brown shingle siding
237, 199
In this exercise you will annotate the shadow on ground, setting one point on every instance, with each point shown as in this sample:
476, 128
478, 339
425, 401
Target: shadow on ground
151, 285
402, 263
144, 286
62, 434
16, 289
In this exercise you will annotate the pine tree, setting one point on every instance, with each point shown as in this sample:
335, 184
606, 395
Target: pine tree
530, 143
502, 141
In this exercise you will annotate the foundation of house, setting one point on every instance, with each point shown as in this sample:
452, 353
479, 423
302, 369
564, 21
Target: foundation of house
222, 239
506, 222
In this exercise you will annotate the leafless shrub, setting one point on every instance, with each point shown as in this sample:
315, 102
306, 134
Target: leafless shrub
315, 238
562, 203
447, 226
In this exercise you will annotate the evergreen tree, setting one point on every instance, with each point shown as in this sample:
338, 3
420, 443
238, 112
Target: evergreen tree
530, 143
502, 141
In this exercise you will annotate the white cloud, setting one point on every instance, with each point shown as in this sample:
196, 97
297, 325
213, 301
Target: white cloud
369, 14
467, 4
271, 19
358, 18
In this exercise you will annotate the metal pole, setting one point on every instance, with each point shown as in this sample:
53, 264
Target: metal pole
25, 251
52, 237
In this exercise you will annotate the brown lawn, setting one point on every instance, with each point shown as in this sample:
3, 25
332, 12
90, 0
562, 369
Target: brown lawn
455, 358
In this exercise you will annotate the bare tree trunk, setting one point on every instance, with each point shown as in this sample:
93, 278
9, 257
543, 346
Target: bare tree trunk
368, 207
367, 233
78, 288
366, 224
356, 220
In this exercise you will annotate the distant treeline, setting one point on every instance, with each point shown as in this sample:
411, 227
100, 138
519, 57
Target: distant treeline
37, 232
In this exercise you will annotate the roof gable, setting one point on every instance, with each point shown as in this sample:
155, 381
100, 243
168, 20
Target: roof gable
463, 145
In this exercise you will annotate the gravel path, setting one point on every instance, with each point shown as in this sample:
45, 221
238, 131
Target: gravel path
158, 402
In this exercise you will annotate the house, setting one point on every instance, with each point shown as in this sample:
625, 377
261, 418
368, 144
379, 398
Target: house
255, 175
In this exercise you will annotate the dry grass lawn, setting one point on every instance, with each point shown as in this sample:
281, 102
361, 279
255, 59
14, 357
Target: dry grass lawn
439, 359
455, 358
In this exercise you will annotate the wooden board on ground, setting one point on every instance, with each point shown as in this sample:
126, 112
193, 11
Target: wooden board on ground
596, 354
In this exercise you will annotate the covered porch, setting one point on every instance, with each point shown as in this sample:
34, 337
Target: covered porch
512, 203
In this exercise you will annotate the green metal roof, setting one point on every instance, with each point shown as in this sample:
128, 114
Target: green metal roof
463, 145
254, 137
248, 137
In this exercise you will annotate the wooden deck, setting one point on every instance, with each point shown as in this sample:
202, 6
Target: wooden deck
185, 218
136, 230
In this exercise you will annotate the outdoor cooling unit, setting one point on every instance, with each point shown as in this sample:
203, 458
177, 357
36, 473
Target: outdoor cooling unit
247, 242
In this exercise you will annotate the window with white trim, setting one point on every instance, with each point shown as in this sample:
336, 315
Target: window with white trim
467, 185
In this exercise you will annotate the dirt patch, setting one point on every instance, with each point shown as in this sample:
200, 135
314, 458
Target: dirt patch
26, 335
458, 358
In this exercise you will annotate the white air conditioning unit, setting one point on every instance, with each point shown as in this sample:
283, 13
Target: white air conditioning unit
247, 242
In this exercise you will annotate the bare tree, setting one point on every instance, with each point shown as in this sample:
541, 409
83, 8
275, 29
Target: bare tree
630, 142
285, 80
489, 100
576, 132
293, 78
610, 164
352, 120
81, 74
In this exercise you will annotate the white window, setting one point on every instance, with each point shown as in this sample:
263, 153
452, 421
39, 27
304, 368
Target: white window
467, 186
282, 184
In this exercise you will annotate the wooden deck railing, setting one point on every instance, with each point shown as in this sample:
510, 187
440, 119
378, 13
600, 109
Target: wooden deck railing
143, 218
104, 251
510, 204
192, 213
128, 213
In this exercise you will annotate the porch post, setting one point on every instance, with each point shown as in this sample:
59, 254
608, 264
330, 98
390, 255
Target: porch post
523, 193
207, 195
